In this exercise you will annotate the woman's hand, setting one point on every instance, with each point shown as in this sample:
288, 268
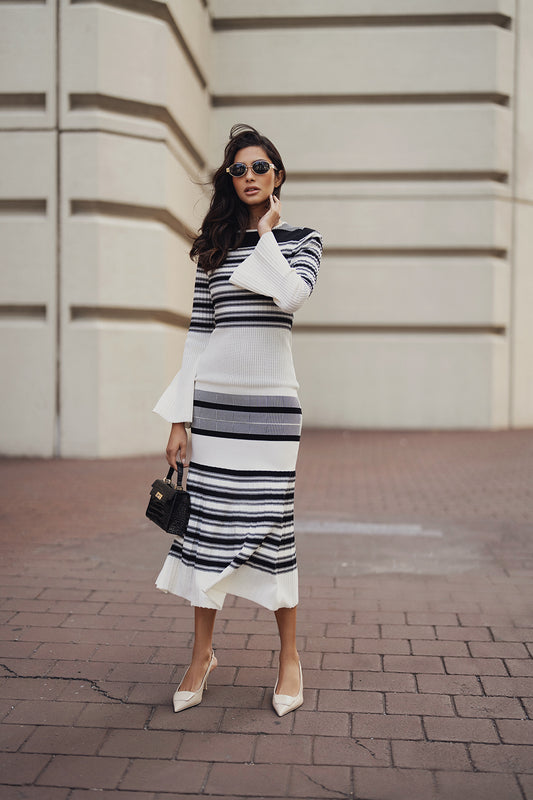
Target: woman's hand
272, 216
177, 445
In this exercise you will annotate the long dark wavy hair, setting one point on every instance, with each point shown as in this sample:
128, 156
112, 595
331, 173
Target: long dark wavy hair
225, 223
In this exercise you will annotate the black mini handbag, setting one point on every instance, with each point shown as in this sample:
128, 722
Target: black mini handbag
170, 504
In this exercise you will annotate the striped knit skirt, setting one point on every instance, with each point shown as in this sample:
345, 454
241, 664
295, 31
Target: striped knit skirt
240, 537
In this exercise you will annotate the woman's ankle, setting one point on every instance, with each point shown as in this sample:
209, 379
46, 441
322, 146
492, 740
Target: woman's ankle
201, 655
287, 655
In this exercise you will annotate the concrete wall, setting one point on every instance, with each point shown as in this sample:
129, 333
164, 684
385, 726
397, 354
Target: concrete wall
406, 129
98, 204
521, 327
397, 129
28, 228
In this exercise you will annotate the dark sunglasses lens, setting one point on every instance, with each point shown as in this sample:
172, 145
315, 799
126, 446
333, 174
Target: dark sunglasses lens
260, 167
237, 170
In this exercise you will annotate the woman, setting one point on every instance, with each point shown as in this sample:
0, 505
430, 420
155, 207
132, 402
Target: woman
236, 389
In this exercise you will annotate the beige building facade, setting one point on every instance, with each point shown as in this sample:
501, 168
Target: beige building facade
407, 130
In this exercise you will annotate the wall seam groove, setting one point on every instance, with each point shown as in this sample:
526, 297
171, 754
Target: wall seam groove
22, 205
58, 295
138, 109
109, 208
415, 251
422, 98
498, 330
221, 24
400, 175
169, 142
23, 310
23, 100
101, 313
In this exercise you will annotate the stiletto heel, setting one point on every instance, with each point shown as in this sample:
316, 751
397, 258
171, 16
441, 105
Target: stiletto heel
283, 703
183, 700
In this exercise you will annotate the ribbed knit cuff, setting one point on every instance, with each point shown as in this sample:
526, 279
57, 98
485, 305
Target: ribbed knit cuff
265, 270
176, 402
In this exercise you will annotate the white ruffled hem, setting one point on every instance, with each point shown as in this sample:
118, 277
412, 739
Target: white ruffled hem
208, 589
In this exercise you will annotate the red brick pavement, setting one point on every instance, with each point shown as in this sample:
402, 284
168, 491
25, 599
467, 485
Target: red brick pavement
415, 633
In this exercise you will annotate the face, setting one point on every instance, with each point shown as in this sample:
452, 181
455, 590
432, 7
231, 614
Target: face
252, 189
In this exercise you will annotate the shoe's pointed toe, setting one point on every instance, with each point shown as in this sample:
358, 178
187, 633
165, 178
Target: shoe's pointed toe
182, 700
283, 703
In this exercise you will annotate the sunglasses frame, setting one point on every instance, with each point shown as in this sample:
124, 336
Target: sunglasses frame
251, 166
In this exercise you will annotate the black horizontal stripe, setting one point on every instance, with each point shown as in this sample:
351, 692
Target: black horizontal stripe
202, 537
239, 296
255, 317
217, 564
240, 484
193, 551
217, 525
230, 496
224, 496
259, 437
246, 324
267, 475
256, 561
253, 518
208, 566
253, 496
236, 543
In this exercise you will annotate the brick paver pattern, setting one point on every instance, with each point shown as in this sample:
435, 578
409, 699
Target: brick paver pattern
415, 631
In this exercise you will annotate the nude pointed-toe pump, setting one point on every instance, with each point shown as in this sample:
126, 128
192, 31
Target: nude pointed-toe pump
183, 700
283, 703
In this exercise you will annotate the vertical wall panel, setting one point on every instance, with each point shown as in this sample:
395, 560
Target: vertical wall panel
522, 250
134, 153
28, 202
27, 292
27, 65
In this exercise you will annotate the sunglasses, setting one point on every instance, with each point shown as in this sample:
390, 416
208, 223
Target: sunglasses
260, 167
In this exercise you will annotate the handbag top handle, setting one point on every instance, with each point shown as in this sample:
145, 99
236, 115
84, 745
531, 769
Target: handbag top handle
179, 478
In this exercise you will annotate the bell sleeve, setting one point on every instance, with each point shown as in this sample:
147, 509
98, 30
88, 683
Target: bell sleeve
176, 402
288, 281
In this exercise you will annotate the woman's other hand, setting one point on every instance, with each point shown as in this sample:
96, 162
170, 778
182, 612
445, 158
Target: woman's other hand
177, 445
272, 216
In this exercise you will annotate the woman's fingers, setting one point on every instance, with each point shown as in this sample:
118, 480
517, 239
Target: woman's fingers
182, 455
177, 448
271, 217
275, 208
171, 457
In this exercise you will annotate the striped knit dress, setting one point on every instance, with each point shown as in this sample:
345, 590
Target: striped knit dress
238, 390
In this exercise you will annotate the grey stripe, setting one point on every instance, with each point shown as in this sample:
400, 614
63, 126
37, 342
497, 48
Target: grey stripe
258, 400
262, 428
255, 421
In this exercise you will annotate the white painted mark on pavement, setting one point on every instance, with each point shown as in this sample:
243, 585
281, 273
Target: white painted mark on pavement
364, 528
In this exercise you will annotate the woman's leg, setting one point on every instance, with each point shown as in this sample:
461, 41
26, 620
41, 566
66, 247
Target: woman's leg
289, 672
204, 623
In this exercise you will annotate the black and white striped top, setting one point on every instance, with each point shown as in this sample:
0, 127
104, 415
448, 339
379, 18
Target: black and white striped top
239, 335
220, 302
